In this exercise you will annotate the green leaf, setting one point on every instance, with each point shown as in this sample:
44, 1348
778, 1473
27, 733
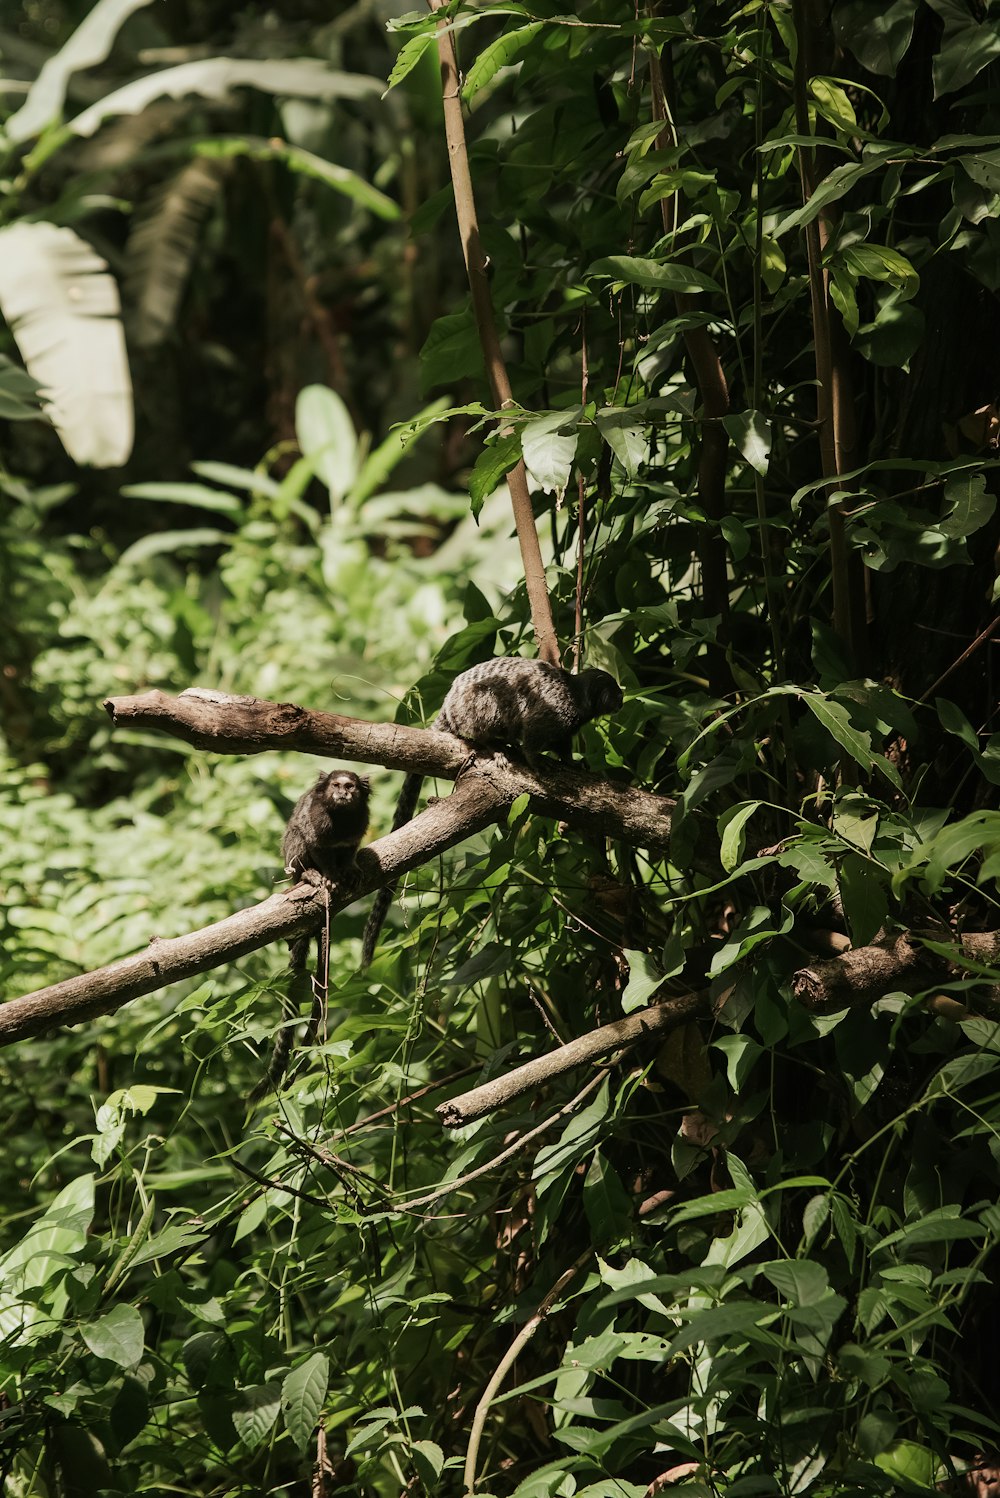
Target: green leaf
625, 436
653, 275
877, 262
62, 307
118, 1336
499, 54
549, 446
302, 1396
89, 45
255, 1412
451, 351
606, 1203
493, 464
305, 164
408, 56
969, 507
326, 436
428, 1458
968, 44
216, 77
879, 35
643, 981
835, 719
752, 435
909, 1463
198, 496
731, 829
863, 892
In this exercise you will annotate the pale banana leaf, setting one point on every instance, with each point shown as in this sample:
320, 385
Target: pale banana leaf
216, 77
162, 245
61, 304
90, 44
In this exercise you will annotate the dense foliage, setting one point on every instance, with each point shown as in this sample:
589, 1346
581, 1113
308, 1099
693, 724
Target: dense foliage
744, 262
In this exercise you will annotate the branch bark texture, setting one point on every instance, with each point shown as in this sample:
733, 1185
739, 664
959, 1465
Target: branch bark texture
868, 973
620, 1034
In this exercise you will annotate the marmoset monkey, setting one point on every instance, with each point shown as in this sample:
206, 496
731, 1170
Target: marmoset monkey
506, 703
319, 846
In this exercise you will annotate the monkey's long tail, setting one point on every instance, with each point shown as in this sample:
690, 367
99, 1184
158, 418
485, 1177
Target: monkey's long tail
405, 807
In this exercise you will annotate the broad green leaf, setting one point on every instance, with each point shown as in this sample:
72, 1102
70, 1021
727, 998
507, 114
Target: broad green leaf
969, 507
62, 307
833, 103
163, 240
216, 77
118, 1336
32, 1294
653, 275
835, 719
863, 893
408, 56
302, 1396
494, 462
89, 45
255, 1412
326, 436
877, 262
878, 35
625, 436
451, 350
910, 1463
305, 164
198, 496
499, 54
607, 1205
752, 435
643, 981
732, 825
549, 446
428, 1458
968, 44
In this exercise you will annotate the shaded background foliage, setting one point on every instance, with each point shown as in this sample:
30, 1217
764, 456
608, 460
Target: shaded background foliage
787, 1221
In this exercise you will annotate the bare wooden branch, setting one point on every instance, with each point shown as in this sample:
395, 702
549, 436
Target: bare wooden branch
249, 725
227, 724
619, 1035
472, 806
867, 973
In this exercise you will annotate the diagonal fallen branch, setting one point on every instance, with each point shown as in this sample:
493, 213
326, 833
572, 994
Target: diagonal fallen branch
619, 1035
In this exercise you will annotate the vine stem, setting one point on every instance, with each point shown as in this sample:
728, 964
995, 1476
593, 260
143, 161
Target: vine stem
505, 1364
476, 267
834, 399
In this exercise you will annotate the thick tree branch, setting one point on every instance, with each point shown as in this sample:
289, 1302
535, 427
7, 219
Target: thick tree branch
620, 1034
248, 725
867, 973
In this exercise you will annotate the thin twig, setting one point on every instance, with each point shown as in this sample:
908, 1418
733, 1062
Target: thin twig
513, 1149
521, 1341
477, 270
980, 639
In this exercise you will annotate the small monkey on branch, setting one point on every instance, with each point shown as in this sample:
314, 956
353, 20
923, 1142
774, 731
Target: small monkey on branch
319, 848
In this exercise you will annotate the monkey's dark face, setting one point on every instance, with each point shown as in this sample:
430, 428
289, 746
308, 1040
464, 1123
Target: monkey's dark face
343, 788
604, 695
